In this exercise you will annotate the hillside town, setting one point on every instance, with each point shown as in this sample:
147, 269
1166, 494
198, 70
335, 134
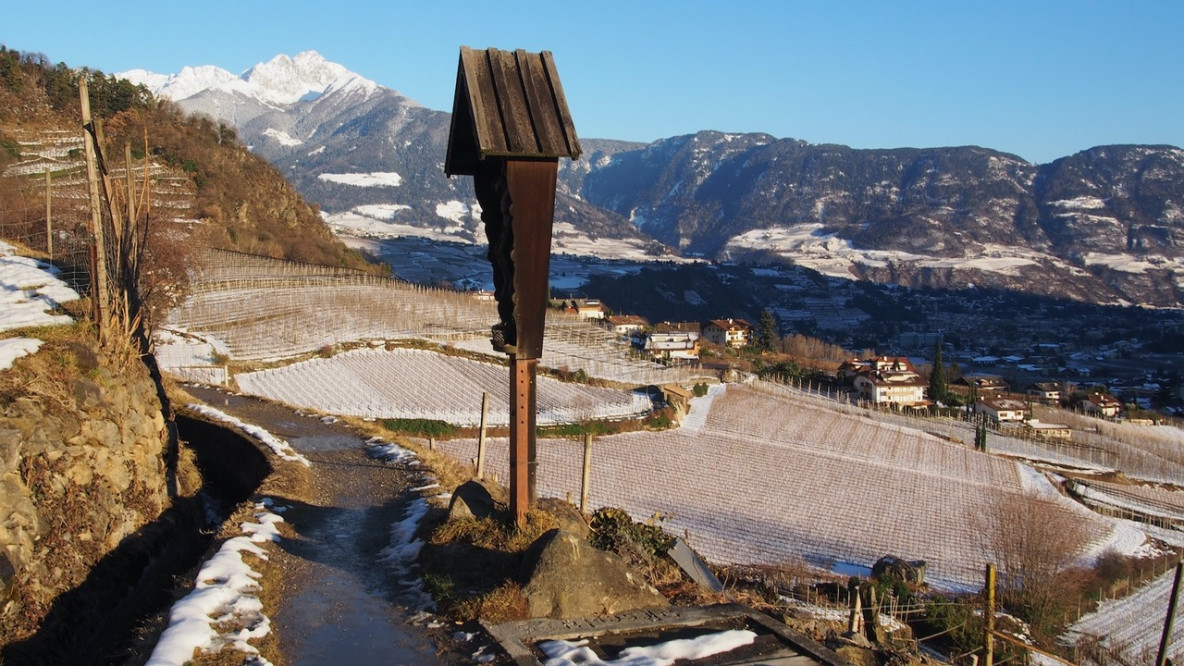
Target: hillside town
904, 382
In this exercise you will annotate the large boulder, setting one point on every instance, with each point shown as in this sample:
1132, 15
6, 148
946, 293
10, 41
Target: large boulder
566, 577
476, 498
894, 567
566, 515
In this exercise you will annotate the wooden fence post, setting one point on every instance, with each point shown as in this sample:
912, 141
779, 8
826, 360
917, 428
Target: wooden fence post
48, 215
481, 435
989, 616
99, 292
587, 472
855, 618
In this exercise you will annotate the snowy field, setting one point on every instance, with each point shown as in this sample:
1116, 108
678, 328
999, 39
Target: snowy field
418, 384
29, 294
764, 478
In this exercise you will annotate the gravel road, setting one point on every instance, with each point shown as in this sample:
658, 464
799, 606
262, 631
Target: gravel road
339, 604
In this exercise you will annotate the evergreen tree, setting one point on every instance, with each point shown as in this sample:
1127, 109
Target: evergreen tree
766, 337
938, 386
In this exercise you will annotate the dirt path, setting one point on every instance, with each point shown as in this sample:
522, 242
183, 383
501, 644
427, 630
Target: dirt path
338, 603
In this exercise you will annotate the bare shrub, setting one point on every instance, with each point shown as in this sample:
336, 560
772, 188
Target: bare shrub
1035, 543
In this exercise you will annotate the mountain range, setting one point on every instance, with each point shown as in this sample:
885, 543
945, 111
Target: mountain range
1105, 225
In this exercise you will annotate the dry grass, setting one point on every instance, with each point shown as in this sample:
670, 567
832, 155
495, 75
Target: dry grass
504, 603
47, 375
494, 534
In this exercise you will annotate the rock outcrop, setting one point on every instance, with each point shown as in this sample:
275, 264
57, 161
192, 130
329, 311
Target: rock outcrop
82, 467
566, 577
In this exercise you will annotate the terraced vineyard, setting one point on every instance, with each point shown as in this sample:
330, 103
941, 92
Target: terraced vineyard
255, 308
758, 474
417, 384
768, 477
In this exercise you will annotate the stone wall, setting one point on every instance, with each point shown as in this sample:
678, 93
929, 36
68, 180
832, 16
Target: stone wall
82, 444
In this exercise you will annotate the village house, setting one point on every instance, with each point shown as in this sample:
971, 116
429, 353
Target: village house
1000, 409
1048, 393
728, 332
1048, 431
983, 384
586, 308
672, 344
886, 381
626, 326
1101, 404
680, 326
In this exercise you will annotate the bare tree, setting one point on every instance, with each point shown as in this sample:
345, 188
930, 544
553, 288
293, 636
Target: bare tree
1035, 541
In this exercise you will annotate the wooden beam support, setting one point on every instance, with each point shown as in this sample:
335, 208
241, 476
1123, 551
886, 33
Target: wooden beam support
523, 460
531, 185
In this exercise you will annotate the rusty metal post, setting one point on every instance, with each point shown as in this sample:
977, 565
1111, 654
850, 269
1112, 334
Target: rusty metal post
522, 436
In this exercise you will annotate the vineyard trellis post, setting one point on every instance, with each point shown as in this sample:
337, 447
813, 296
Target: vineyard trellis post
481, 435
989, 618
48, 214
585, 478
98, 289
1166, 638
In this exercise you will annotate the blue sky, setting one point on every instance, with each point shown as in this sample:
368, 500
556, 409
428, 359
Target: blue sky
1040, 79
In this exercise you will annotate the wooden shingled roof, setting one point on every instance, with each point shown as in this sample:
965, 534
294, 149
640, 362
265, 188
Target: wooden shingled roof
508, 104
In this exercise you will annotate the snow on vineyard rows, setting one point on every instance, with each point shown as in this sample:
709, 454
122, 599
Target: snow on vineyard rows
1162, 505
418, 384
257, 322
256, 308
768, 478
1133, 624
1149, 453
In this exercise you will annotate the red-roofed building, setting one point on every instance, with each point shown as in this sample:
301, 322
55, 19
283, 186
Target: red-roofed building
728, 332
1001, 409
887, 381
625, 325
1101, 404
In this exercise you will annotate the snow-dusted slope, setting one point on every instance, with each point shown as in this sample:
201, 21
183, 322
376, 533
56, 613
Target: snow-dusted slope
1104, 225
354, 147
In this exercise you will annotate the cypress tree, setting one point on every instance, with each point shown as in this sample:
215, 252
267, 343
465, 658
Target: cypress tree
767, 331
938, 386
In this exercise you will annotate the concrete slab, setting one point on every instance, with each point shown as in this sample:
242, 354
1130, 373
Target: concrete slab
778, 644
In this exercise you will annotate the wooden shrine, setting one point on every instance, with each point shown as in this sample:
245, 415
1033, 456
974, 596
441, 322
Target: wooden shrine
510, 126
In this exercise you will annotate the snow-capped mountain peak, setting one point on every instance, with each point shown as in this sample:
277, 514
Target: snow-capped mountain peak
281, 81
189, 82
284, 80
